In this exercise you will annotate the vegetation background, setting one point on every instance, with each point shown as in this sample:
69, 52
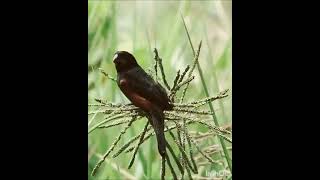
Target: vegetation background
139, 27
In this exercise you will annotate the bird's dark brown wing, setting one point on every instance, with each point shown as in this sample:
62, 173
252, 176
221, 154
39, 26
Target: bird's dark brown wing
140, 82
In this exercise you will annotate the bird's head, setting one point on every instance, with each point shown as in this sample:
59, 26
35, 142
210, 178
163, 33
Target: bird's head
124, 61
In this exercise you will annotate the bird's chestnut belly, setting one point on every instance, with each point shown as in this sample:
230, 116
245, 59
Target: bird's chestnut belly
137, 100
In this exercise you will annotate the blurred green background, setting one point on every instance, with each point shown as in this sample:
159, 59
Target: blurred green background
139, 27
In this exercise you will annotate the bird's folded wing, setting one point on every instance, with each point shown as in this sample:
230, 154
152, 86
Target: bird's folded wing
140, 82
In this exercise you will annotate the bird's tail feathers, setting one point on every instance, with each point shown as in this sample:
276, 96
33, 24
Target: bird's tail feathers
157, 121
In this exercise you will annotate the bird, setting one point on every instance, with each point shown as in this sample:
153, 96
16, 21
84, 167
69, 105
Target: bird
145, 93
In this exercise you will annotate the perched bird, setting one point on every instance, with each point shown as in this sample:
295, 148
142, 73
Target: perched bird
143, 92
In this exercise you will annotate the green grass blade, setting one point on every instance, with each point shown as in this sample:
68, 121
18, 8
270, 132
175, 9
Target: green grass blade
215, 120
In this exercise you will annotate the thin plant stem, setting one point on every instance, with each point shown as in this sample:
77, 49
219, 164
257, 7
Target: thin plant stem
161, 69
225, 151
171, 168
175, 157
137, 147
215, 78
184, 154
112, 147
